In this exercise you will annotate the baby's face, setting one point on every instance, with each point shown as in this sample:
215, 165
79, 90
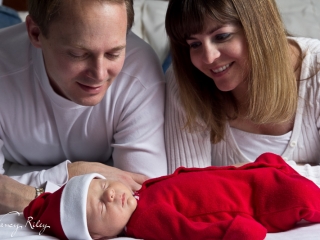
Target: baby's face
110, 204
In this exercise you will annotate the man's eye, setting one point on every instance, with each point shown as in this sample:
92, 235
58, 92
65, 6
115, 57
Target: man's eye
222, 36
77, 56
112, 56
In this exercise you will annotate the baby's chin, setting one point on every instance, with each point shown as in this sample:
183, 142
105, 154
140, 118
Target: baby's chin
99, 237
133, 202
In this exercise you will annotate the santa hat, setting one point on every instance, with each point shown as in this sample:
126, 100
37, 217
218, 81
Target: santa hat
62, 213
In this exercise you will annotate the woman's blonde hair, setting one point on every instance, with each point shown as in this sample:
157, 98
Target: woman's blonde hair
272, 93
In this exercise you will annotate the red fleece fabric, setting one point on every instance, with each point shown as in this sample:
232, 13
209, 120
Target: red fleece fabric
45, 208
225, 202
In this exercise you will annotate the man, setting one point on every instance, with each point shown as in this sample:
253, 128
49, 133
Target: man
78, 92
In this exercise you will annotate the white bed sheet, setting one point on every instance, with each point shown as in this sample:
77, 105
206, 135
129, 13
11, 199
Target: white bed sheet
14, 226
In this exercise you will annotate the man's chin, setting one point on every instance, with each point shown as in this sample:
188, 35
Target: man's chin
88, 101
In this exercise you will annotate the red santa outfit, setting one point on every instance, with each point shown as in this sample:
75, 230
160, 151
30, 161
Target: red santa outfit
225, 202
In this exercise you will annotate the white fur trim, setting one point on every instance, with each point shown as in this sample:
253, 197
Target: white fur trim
73, 207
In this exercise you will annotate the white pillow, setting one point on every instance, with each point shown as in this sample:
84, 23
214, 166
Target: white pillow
301, 17
149, 24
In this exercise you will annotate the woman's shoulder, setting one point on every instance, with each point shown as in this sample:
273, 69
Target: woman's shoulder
171, 79
308, 45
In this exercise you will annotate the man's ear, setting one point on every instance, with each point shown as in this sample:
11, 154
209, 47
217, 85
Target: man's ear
33, 32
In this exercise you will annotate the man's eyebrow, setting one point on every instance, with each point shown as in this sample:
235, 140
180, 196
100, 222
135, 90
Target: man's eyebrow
210, 31
118, 48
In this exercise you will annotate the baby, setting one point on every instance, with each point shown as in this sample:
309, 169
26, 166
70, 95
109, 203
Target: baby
192, 203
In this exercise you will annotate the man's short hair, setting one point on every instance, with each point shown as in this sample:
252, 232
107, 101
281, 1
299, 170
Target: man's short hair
44, 12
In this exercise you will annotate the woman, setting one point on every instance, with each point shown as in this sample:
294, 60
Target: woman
239, 86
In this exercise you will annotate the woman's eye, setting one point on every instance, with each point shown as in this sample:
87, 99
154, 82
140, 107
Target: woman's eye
194, 44
222, 36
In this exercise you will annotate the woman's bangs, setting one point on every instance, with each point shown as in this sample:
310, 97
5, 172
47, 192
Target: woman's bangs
185, 20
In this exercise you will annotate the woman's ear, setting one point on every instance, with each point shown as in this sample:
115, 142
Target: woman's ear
33, 32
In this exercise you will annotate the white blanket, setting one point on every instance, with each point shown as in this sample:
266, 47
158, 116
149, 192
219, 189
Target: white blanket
14, 226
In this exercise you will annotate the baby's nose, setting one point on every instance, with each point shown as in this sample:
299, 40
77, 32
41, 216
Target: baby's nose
110, 195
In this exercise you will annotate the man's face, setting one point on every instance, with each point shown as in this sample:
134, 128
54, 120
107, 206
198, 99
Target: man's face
85, 49
110, 205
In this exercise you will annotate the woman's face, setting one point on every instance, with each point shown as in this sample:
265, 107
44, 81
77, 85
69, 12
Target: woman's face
220, 52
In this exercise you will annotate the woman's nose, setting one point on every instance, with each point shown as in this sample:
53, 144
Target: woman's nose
210, 53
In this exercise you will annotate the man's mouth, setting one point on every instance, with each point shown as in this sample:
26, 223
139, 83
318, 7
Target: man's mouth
90, 89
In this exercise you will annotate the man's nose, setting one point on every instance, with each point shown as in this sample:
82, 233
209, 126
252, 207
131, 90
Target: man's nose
99, 69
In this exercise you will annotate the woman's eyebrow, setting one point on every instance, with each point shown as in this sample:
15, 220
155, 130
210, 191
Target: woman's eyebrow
210, 31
